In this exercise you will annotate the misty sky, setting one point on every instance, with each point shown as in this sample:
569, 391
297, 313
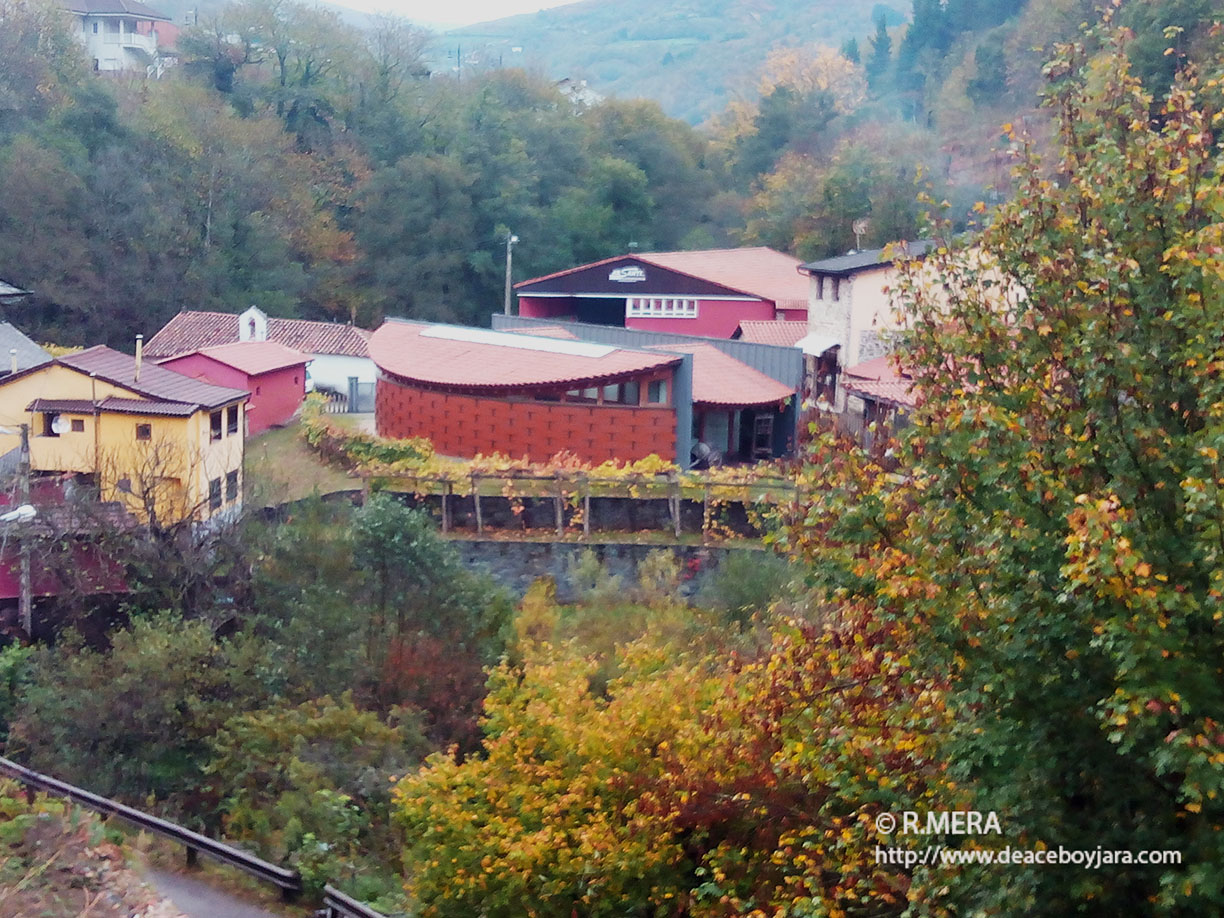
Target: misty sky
450, 13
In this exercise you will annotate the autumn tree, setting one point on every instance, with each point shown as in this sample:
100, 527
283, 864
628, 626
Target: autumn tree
1057, 530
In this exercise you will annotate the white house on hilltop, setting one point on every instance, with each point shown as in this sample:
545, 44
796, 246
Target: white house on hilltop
120, 34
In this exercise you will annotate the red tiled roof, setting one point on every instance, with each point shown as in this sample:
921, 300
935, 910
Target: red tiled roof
879, 379
194, 331
765, 331
252, 357
405, 350
759, 271
722, 380
156, 383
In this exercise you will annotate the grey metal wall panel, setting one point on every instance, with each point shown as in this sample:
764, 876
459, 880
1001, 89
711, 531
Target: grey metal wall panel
785, 364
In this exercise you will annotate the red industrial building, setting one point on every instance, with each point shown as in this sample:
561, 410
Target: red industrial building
275, 376
707, 293
472, 390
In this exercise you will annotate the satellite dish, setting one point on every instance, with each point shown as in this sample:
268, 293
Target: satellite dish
59, 425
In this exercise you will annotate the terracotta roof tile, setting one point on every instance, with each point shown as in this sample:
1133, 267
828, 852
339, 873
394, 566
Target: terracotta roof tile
719, 379
765, 331
471, 358
760, 272
156, 383
251, 357
879, 379
193, 331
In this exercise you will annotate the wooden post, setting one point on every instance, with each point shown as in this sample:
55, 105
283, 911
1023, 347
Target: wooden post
674, 502
586, 508
446, 489
705, 514
476, 502
193, 857
560, 511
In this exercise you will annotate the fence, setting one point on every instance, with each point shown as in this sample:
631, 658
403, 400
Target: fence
683, 496
289, 881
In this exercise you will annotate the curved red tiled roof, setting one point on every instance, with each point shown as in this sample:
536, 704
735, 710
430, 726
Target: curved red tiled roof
719, 379
772, 331
193, 331
483, 359
759, 271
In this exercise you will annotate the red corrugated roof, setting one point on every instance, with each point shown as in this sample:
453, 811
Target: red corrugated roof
759, 271
399, 348
722, 380
879, 379
254, 357
193, 331
155, 382
765, 331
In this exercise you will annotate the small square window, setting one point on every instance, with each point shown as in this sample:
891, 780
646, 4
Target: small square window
214, 494
78, 425
214, 421
656, 392
231, 485
144, 431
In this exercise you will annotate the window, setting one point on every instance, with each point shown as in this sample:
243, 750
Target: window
50, 422
656, 392
214, 494
644, 307
215, 425
582, 395
231, 419
78, 425
836, 289
257, 390
622, 393
231, 485
144, 431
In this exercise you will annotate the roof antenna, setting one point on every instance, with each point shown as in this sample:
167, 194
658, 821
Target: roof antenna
860, 229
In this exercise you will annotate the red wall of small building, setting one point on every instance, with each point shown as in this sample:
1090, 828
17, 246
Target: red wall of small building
275, 395
715, 318
464, 425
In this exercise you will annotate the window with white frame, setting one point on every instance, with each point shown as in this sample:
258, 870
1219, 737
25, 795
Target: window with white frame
655, 307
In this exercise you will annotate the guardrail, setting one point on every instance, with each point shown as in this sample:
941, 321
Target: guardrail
335, 903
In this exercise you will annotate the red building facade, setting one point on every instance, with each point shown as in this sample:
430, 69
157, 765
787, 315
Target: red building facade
707, 293
473, 391
275, 376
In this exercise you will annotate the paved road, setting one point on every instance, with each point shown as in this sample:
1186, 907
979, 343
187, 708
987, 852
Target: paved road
196, 898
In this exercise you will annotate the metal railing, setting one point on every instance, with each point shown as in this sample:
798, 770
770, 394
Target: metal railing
335, 903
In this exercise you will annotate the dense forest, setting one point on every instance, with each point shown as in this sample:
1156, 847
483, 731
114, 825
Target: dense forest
295, 162
1012, 606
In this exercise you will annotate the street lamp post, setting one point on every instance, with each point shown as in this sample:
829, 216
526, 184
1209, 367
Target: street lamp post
511, 239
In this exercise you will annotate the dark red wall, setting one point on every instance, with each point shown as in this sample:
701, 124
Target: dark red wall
275, 395
464, 425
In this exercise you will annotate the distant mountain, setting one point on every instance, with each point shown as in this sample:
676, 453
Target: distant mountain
693, 56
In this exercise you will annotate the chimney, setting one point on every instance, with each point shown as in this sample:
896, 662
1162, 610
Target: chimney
13, 359
139, 357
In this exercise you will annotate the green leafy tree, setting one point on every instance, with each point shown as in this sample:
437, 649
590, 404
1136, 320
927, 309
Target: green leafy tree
136, 720
1057, 533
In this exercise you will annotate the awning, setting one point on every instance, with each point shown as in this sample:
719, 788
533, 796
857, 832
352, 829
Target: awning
815, 345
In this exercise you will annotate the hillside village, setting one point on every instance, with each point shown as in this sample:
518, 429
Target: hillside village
444, 495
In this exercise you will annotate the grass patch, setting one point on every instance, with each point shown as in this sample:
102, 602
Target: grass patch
280, 467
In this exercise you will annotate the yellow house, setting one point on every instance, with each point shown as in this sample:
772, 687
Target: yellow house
168, 446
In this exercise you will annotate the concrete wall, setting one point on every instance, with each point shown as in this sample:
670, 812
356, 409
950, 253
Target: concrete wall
332, 371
